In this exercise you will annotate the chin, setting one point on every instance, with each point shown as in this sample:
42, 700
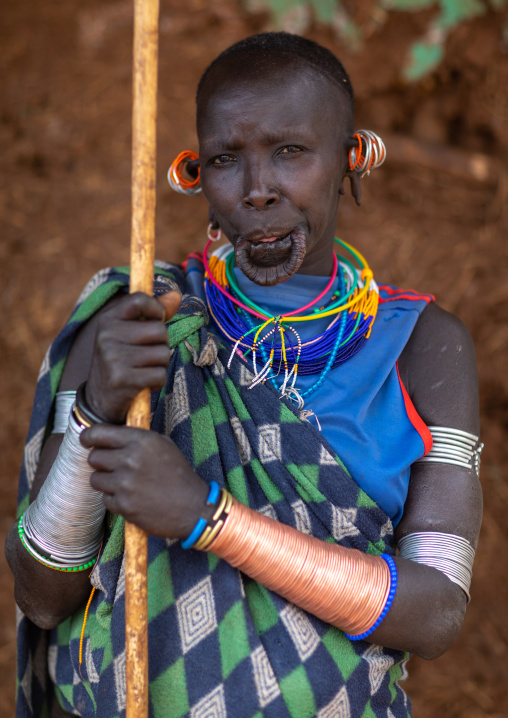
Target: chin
268, 263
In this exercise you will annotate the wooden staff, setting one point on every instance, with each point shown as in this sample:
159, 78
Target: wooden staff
144, 115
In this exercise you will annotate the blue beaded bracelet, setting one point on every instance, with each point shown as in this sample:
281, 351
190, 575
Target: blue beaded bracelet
391, 595
200, 526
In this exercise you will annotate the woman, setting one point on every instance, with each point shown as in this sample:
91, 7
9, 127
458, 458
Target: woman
286, 456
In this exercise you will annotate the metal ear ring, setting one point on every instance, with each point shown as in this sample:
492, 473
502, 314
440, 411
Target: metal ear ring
214, 237
370, 153
176, 179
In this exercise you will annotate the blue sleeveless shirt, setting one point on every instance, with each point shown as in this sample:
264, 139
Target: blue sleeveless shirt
363, 408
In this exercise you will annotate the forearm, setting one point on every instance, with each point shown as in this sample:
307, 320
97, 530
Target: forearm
54, 546
45, 596
427, 612
343, 586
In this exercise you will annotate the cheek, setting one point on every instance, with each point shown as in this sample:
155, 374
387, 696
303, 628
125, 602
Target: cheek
221, 194
320, 200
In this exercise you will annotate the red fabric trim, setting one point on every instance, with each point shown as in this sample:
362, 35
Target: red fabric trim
414, 417
410, 294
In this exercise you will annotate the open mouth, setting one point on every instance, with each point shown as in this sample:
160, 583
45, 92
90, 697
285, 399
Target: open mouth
269, 260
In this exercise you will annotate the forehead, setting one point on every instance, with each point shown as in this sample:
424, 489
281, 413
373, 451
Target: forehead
290, 95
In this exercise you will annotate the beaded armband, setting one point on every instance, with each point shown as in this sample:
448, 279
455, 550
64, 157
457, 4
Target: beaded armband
389, 600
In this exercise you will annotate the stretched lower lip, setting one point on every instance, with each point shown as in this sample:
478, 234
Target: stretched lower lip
269, 240
276, 262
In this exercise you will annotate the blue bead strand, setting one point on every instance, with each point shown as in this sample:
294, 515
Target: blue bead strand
389, 600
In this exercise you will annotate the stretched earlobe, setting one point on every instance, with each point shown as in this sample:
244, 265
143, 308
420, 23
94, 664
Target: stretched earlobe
211, 219
175, 178
356, 187
214, 231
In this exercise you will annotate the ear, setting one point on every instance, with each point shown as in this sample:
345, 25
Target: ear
192, 168
211, 218
356, 186
354, 177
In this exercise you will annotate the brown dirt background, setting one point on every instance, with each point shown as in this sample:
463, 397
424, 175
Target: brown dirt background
65, 104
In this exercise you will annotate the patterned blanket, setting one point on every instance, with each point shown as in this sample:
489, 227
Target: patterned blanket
220, 644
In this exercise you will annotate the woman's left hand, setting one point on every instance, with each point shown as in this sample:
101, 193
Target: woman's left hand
146, 478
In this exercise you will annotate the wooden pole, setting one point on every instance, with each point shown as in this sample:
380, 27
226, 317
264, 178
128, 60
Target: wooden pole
144, 115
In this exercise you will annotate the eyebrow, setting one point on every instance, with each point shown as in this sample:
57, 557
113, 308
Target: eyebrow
284, 136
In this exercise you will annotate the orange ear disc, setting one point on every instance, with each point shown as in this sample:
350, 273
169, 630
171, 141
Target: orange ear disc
175, 178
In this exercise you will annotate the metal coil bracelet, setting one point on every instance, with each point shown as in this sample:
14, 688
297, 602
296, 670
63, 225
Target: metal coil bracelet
452, 555
64, 402
453, 446
63, 527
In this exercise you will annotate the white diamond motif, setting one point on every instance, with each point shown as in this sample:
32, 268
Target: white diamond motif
338, 707
196, 614
120, 680
302, 632
325, 458
246, 376
269, 448
91, 671
241, 440
32, 453
177, 403
212, 705
343, 523
379, 664
269, 511
264, 677
302, 518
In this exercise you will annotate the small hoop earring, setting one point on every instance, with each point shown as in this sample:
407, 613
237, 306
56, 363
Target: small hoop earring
213, 237
175, 178
370, 153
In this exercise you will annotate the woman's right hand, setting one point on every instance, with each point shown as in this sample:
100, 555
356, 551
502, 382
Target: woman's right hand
130, 353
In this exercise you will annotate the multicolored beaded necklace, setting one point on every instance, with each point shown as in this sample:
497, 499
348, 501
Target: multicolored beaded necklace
278, 353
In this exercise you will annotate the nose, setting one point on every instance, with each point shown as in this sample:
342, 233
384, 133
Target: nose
259, 191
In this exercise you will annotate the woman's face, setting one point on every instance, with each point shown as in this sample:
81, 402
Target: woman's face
273, 157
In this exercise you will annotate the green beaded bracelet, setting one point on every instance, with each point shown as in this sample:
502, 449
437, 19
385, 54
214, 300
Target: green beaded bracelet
44, 561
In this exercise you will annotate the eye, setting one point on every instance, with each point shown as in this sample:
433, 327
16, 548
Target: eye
222, 160
290, 150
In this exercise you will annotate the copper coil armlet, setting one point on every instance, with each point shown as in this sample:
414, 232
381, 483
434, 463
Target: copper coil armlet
344, 587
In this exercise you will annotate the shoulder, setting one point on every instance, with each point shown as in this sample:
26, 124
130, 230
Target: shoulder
438, 368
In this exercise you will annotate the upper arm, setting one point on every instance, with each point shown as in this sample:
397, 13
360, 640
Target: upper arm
438, 368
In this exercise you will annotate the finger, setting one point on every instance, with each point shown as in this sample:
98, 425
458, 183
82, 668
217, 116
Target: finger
139, 306
111, 503
103, 481
170, 302
107, 436
129, 381
102, 459
152, 356
137, 332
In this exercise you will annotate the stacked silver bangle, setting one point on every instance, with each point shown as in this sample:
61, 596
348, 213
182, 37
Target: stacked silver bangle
64, 526
63, 406
450, 554
453, 446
